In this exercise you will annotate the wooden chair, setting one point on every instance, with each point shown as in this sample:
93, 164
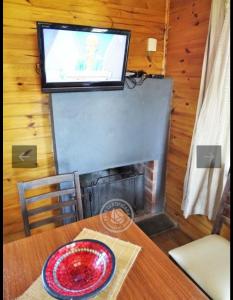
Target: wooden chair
207, 260
72, 180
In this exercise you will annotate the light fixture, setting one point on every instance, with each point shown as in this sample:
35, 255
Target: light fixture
151, 47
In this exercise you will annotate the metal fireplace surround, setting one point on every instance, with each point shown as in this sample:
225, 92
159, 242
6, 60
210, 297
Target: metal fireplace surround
119, 183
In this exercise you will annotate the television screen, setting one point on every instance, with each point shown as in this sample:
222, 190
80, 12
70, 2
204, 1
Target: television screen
76, 58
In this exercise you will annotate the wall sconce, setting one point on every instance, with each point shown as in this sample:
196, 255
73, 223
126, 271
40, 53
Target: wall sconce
151, 47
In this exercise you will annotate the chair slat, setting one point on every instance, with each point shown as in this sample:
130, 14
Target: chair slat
49, 220
39, 210
48, 181
50, 195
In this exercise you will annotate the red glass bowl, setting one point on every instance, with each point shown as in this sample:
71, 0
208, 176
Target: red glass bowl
78, 270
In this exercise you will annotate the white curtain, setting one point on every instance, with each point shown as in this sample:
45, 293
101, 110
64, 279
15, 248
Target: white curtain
203, 187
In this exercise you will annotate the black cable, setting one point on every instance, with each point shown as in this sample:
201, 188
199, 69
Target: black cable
143, 78
133, 82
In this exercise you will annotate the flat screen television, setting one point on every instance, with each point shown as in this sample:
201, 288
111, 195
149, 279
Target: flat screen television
81, 58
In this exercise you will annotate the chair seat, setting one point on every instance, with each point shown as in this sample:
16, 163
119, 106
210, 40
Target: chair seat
207, 262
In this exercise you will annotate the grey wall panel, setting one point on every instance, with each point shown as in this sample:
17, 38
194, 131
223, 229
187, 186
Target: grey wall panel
105, 129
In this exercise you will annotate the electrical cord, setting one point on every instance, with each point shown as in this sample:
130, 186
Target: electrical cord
143, 78
132, 82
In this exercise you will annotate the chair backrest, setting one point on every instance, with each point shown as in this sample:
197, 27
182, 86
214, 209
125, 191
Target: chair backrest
223, 215
75, 203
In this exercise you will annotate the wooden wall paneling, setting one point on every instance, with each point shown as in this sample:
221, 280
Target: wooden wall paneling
166, 30
26, 110
188, 27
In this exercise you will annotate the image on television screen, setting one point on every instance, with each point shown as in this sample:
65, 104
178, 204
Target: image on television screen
77, 56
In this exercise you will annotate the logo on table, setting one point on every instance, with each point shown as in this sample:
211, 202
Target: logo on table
120, 217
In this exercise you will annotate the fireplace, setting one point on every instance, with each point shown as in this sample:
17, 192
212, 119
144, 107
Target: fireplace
117, 142
135, 184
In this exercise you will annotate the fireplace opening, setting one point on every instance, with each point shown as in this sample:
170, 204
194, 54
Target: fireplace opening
135, 184
126, 183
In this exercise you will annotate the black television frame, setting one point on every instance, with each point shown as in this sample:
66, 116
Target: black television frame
78, 86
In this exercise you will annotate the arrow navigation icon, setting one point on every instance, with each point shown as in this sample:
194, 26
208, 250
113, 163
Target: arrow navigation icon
24, 155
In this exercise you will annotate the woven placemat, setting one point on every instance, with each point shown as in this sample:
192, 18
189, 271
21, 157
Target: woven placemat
125, 254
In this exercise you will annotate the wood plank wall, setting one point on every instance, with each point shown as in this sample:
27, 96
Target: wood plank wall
26, 109
188, 27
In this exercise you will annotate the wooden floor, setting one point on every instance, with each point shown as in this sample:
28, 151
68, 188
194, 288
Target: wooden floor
170, 239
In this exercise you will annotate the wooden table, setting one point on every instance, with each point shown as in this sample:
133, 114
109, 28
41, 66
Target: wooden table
153, 275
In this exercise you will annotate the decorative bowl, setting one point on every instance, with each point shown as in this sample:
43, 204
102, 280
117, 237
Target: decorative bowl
78, 270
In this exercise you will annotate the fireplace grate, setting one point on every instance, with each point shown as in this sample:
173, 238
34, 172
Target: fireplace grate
128, 186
